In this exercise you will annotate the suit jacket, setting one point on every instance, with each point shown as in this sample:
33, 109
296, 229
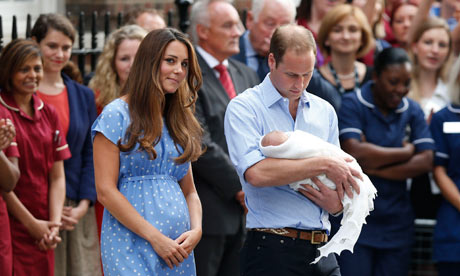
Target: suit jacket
79, 170
241, 56
215, 177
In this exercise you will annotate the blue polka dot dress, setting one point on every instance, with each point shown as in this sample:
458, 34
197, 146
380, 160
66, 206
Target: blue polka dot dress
151, 186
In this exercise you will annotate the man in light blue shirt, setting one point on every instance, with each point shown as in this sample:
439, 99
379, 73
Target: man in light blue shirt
286, 227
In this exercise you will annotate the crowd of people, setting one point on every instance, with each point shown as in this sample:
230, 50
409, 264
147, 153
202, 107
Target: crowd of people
156, 167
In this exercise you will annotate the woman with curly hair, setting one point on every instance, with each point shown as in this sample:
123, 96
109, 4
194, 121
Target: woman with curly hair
111, 73
114, 63
144, 142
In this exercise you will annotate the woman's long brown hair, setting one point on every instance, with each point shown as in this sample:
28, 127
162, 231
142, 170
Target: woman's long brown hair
148, 104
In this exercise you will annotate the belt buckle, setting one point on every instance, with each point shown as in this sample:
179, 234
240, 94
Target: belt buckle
313, 233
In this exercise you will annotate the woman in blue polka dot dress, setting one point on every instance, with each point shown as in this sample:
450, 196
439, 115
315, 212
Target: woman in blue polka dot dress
143, 145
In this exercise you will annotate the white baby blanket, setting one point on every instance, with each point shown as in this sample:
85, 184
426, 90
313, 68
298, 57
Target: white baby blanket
304, 145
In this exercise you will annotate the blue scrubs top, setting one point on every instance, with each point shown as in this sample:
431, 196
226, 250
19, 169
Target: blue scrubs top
446, 247
390, 225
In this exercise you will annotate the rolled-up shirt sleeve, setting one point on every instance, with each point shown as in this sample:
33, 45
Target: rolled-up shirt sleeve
243, 132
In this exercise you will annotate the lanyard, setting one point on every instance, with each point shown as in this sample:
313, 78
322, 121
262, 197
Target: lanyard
337, 80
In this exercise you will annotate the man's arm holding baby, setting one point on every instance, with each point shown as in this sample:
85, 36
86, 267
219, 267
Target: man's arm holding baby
278, 171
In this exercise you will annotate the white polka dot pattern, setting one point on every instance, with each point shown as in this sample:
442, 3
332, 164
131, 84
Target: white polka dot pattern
151, 187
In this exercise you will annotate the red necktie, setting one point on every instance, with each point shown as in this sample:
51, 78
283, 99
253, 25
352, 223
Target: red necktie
226, 80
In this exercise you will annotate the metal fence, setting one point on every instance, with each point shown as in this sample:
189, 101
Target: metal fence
86, 52
421, 262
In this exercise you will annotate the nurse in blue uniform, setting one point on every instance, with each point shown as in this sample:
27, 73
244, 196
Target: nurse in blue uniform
445, 127
387, 133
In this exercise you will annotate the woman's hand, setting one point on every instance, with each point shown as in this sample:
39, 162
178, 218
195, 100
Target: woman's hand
189, 240
46, 233
72, 215
39, 228
7, 133
52, 239
169, 250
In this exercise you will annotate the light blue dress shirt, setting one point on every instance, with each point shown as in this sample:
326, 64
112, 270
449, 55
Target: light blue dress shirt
256, 112
251, 55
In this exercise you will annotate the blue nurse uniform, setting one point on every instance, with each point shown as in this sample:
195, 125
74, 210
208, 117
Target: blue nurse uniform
385, 241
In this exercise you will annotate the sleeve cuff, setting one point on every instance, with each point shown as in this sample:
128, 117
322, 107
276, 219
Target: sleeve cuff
248, 160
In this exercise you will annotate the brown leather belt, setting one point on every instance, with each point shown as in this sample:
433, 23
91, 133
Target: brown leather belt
316, 237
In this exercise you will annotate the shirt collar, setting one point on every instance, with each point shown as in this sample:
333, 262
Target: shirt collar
454, 108
271, 94
366, 98
210, 60
250, 52
7, 100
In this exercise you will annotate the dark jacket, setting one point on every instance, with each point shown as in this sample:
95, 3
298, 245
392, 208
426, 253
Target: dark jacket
215, 177
79, 170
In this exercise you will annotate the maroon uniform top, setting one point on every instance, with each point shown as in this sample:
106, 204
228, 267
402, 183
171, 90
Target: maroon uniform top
40, 143
6, 254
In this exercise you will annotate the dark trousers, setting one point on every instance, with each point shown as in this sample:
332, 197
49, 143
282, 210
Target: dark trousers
218, 255
274, 255
448, 269
369, 261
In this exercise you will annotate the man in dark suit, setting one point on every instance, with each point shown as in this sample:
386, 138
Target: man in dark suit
262, 20
215, 29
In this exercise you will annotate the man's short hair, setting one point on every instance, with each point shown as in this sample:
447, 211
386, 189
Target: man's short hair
291, 37
199, 14
258, 6
131, 16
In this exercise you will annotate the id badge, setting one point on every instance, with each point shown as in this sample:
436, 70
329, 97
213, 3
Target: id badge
451, 127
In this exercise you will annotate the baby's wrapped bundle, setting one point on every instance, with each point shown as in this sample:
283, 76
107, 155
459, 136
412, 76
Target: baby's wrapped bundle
304, 145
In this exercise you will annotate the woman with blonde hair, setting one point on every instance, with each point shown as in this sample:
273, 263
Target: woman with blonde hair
144, 142
431, 54
112, 70
114, 63
345, 36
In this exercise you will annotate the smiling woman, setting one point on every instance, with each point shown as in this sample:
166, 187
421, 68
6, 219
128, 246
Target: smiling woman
76, 108
373, 124
345, 35
143, 144
114, 63
431, 54
35, 204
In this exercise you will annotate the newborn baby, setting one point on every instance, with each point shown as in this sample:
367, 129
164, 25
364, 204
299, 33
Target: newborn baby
300, 144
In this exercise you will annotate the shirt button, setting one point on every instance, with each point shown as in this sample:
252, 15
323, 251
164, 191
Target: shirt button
281, 241
263, 237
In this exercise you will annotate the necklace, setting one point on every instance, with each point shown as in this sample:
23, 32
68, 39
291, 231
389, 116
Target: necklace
347, 76
337, 80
